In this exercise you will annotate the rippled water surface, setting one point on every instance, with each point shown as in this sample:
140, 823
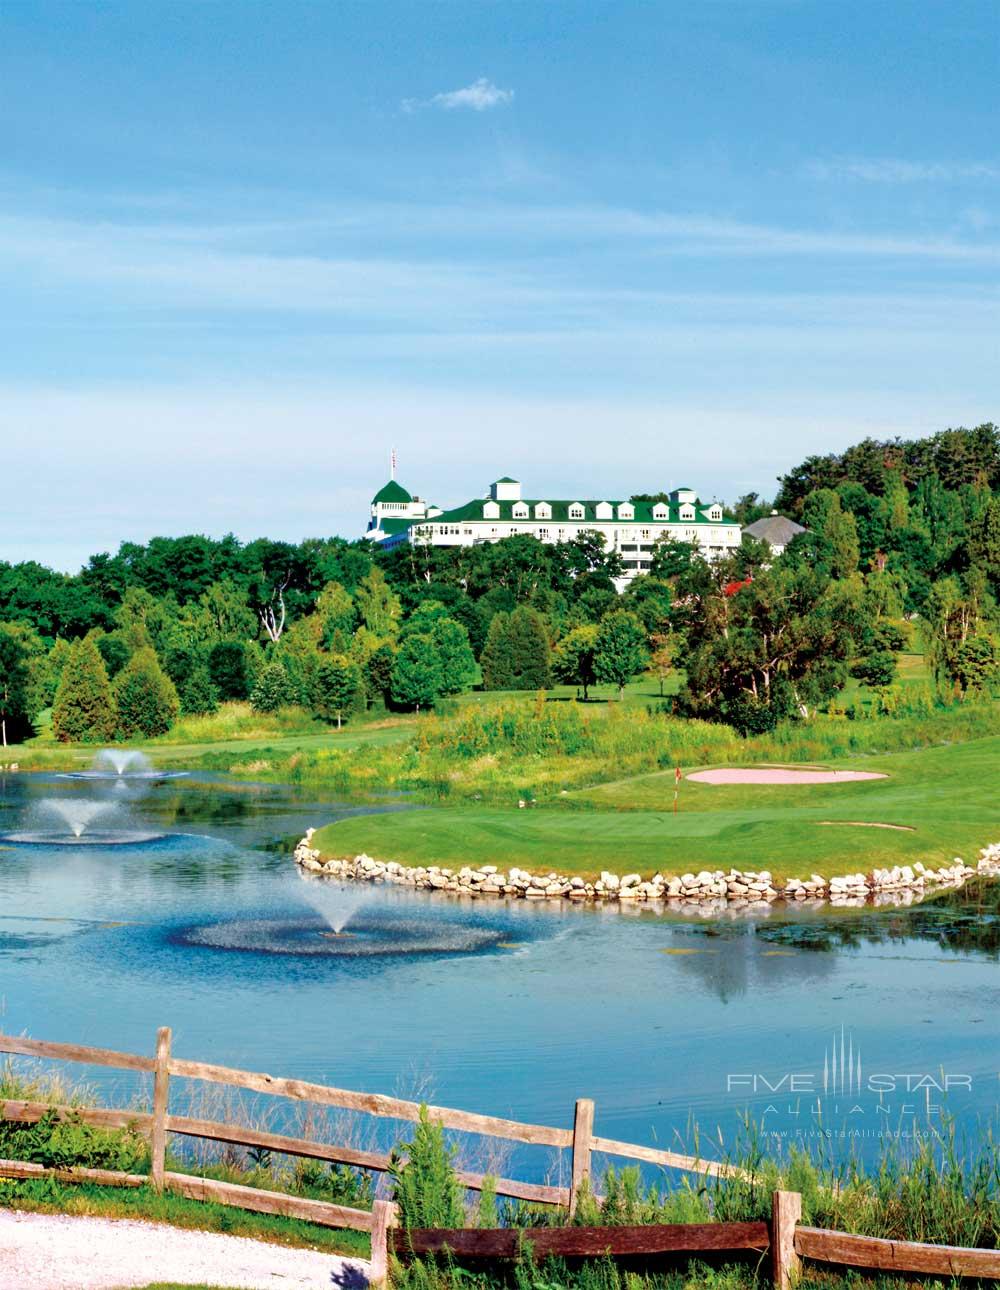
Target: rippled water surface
848, 1022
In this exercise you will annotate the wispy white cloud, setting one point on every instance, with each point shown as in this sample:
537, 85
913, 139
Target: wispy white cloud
895, 170
480, 96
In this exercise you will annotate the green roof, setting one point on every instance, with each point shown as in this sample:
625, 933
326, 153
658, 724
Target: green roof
642, 512
391, 492
391, 527
506, 480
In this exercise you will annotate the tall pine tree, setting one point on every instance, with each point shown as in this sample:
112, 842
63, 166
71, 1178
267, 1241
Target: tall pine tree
84, 708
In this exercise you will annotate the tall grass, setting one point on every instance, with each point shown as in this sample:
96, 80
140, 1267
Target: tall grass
536, 749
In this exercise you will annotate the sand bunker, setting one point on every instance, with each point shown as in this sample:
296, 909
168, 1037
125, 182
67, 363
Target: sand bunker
870, 824
776, 775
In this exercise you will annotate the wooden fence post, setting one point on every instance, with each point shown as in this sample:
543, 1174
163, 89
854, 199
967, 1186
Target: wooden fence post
583, 1132
786, 1210
383, 1217
161, 1089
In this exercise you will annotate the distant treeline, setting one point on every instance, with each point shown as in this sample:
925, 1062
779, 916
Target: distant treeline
895, 530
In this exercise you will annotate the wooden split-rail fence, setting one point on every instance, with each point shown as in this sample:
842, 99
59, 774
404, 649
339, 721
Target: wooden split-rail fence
784, 1238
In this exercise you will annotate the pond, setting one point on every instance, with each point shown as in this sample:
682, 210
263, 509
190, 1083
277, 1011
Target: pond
840, 1026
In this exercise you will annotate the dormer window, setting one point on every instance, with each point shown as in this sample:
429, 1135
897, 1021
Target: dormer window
491, 511
659, 511
687, 512
603, 511
715, 513
520, 511
576, 511
543, 511
626, 511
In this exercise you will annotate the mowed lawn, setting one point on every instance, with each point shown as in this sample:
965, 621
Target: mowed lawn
947, 800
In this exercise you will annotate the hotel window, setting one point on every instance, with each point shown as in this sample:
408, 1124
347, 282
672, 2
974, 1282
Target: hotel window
543, 535
576, 512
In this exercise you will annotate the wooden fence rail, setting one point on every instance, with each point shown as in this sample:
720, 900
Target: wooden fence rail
784, 1237
159, 1123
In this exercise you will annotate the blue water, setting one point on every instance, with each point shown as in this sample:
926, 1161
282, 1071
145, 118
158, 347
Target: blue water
509, 1008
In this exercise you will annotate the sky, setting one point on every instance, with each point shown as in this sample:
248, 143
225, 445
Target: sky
604, 246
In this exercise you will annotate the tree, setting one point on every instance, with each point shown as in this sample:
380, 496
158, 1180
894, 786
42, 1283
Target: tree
337, 688
771, 647
145, 696
573, 659
671, 557
984, 543
84, 708
337, 616
455, 656
955, 612
198, 695
273, 689
878, 668
661, 655
619, 649
977, 664
378, 604
227, 666
495, 660
114, 650
378, 671
834, 533
225, 613
530, 653
416, 673
15, 686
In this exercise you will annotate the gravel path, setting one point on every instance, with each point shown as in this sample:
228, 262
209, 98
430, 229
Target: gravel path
60, 1252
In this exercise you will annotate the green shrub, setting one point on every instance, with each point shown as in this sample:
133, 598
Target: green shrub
424, 1184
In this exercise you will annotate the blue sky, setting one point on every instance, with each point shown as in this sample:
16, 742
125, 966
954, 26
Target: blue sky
603, 247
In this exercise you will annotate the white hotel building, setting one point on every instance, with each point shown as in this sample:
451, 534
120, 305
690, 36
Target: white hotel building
631, 529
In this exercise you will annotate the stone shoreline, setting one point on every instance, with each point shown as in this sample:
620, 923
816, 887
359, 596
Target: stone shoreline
707, 892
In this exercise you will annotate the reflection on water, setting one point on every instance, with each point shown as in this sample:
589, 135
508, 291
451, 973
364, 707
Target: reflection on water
513, 1009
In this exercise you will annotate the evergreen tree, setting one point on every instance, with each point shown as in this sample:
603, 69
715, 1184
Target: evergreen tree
338, 690
458, 663
199, 696
416, 673
146, 698
84, 709
516, 655
619, 649
495, 660
529, 649
114, 650
273, 690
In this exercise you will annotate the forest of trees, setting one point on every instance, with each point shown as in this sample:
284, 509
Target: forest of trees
901, 536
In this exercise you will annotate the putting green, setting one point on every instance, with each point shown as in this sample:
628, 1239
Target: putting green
942, 802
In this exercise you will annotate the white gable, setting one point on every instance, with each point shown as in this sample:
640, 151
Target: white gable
543, 511
491, 511
603, 511
626, 511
